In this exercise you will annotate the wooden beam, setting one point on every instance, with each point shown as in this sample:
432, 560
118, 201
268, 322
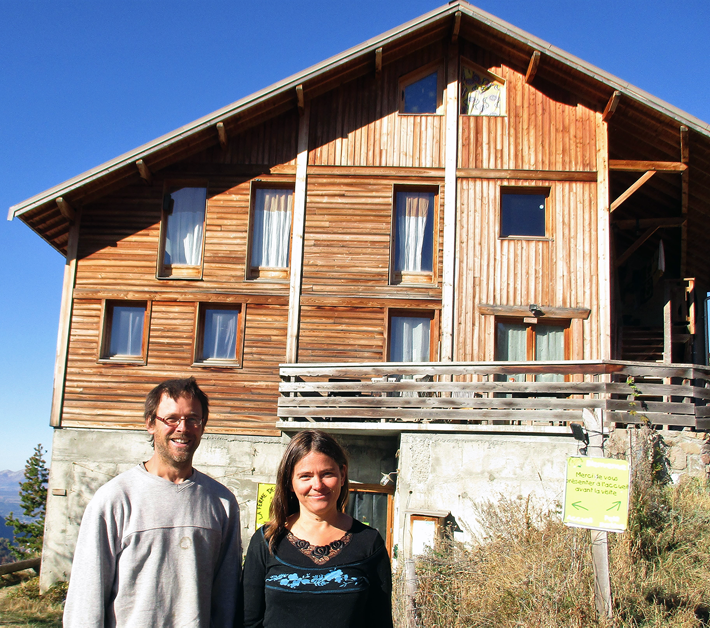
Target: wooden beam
538, 175
684, 197
532, 66
299, 226
611, 106
378, 62
524, 310
604, 279
645, 223
65, 314
450, 190
642, 179
144, 171
634, 247
457, 27
222, 132
300, 101
65, 209
626, 165
684, 145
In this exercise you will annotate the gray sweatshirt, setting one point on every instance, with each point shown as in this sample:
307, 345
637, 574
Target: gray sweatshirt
153, 553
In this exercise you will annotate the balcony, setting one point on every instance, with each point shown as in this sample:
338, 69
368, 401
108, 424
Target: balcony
491, 396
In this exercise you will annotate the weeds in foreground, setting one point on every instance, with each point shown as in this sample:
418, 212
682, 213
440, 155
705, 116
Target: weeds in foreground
529, 570
22, 605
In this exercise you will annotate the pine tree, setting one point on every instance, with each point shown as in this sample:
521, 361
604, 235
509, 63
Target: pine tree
33, 499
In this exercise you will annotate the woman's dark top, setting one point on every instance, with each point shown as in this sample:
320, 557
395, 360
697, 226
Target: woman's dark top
346, 584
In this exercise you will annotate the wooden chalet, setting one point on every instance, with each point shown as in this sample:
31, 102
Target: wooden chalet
453, 228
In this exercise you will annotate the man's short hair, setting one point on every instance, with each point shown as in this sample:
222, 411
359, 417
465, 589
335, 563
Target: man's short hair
175, 389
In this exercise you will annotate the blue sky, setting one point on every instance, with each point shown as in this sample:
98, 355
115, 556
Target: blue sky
83, 81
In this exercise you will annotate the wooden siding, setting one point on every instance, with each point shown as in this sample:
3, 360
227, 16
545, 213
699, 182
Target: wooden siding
516, 271
348, 232
543, 129
342, 334
358, 123
112, 395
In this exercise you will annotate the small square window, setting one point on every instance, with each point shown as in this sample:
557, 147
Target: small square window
219, 335
125, 331
523, 213
270, 233
182, 232
413, 236
410, 336
420, 92
482, 93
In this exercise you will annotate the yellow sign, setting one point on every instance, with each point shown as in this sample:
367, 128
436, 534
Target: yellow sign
264, 497
597, 494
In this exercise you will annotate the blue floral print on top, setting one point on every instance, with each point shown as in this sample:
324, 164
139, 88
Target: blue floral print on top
296, 580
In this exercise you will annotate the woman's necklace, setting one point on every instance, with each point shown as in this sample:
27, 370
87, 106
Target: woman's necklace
319, 554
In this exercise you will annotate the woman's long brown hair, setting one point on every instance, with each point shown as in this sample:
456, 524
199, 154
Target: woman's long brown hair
285, 502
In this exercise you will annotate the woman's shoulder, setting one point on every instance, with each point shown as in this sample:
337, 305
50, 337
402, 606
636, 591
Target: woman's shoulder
364, 534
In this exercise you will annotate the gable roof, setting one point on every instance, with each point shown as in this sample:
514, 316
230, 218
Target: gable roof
591, 84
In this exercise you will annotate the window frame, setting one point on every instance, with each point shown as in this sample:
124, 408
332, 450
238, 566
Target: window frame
432, 314
199, 335
412, 77
531, 322
265, 273
180, 271
106, 330
413, 278
494, 77
525, 190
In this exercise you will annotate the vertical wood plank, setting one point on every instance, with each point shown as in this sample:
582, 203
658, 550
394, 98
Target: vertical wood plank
65, 313
299, 224
450, 185
603, 239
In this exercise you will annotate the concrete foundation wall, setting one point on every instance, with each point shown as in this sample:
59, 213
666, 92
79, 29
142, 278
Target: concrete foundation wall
85, 459
455, 473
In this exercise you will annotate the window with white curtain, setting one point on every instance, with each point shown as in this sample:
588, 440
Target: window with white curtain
409, 338
219, 335
414, 236
271, 232
185, 218
525, 342
124, 329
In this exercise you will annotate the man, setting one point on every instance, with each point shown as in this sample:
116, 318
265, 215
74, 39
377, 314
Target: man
159, 545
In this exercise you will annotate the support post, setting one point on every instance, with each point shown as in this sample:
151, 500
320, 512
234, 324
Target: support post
450, 193
299, 227
410, 584
65, 312
603, 240
594, 424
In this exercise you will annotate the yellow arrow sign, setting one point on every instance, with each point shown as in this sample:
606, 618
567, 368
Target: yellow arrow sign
597, 494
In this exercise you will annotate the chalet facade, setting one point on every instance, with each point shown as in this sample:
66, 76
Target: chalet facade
443, 245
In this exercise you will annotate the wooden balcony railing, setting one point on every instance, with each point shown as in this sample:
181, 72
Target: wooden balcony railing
498, 393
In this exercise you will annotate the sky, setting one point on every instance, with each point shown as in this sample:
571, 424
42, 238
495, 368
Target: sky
83, 81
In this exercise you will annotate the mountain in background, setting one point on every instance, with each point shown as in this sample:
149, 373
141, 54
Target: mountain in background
9, 498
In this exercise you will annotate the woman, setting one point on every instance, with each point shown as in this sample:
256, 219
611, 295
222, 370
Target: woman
314, 565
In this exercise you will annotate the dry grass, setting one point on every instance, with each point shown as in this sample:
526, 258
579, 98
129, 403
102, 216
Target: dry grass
21, 605
529, 570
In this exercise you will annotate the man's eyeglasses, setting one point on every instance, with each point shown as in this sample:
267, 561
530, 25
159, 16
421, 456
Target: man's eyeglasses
174, 421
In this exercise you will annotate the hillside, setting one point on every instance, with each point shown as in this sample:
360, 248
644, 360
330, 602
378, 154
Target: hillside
9, 498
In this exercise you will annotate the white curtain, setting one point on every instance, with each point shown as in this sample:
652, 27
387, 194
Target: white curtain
549, 345
220, 339
415, 231
127, 330
511, 345
271, 231
409, 339
183, 238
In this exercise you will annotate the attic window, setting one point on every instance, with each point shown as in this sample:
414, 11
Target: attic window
482, 93
182, 232
420, 92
